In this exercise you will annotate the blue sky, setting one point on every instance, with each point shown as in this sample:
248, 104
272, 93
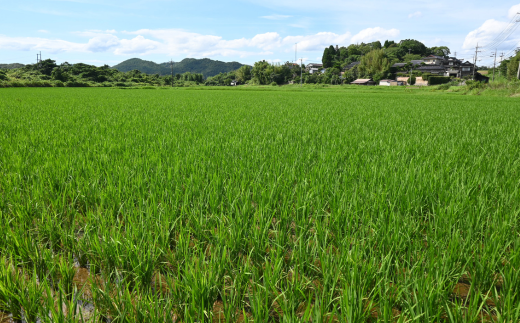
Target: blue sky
108, 32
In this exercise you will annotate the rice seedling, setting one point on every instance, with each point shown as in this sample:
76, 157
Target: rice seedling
267, 206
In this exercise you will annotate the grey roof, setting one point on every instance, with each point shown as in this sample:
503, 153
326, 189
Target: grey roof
414, 62
351, 65
434, 56
431, 67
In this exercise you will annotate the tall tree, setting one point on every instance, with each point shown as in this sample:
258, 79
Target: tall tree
328, 56
377, 45
243, 74
440, 51
512, 66
375, 64
413, 46
389, 43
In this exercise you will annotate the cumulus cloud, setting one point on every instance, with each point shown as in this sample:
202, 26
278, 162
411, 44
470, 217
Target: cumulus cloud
276, 17
484, 34
373, 34
35, 43
513, 11
416, 14
178, 42
102, 43
490, 29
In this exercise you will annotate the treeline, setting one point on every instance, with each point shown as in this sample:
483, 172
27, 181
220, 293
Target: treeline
508, 68
49, 74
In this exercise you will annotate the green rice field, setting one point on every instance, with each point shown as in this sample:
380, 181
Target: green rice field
193, 205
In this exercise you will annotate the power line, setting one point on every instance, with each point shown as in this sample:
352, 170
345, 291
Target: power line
500, 38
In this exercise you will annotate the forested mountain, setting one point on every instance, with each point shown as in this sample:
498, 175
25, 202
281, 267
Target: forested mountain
204, 66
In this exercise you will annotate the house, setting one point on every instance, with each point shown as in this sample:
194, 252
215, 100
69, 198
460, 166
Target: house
442, 66
312, 66
397, 83
363, 82
432, 69
433, 60
313, 70
385, 82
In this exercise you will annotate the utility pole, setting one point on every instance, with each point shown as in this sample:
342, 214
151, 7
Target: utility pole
171, 65
494, 64
475, 65
301, 72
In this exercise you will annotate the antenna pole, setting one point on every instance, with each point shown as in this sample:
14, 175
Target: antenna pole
494, 65
171, 65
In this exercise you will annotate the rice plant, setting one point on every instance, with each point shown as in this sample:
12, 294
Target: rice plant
267, 206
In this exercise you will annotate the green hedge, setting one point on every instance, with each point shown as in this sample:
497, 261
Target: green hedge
436, 80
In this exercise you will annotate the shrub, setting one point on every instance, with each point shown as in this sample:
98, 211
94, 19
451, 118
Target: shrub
474, 85
3, 75
274, 84
437, 80
76, 84
444, 87
59, 84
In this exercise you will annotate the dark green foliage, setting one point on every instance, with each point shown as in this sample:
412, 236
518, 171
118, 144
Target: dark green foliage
328, 56
436, 80
389, 43
243, 74
376, 45
440, 51
265, 73
3, 76
512, 67
415, 46
204, 66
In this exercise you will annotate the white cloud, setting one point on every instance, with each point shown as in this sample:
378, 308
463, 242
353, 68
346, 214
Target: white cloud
137, 45
416, 14
490, 29
276, 17
102, 43
513, 11
43, 31
373, 34
178, 43
35, 43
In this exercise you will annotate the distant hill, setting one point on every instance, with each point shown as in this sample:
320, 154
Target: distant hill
11, 66
205, 66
